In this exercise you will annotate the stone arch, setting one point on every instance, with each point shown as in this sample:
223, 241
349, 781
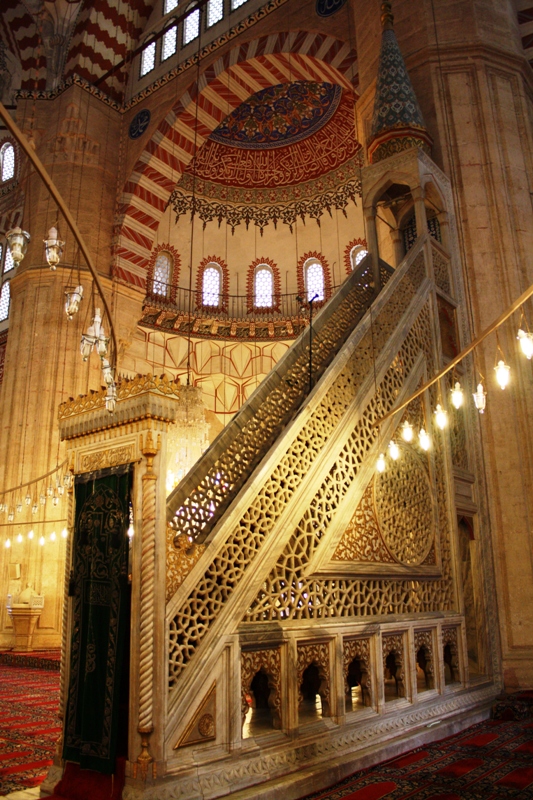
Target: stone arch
268, 663
393, 661
174, 275
310, 256
242, 71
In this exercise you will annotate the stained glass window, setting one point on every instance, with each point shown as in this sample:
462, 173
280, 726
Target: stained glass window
148, 59
191, 26
7, 158
170, 43
314, 281
357, 254
263, 287
162, 271
215, 11
211, 286
4, 301
237, 4
8, 261
169, 5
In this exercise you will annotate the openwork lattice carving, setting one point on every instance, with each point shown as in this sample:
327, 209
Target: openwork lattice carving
441, 271
270, 661
288, 593
361, 541
358, 649
316, 653
404, 508
198, 505
394, 660
425, 655
184, 556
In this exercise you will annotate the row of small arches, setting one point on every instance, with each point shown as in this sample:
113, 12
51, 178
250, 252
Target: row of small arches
264, 288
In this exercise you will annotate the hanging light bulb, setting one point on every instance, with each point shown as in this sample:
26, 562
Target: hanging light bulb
457, 395
441, 417
19, 538
50, 490
30, 534
394, 451
19, 507
66, 479
8, 543
17, 241
64, 533
53, 536
42, 499
11, 516
97, 323
55, 500
27, 499
34, 508
73, 300
107, 372
101, 345
88, 340
60, 490
423, 439
480, 398
41, 541
53, 248
131, 531
503, 373
407, 431
380, 465
2, 507
111, 398
526, 342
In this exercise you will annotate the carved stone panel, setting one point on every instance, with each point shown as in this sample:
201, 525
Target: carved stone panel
426, 661
316, 653
268, 660
360, 649
450, 646
110, 457
393, 645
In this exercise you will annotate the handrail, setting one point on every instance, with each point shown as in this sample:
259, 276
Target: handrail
202, 496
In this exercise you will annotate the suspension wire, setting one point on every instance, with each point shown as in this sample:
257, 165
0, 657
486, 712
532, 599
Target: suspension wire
193, 210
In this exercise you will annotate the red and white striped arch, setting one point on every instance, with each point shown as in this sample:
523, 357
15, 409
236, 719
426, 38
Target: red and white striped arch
263, 62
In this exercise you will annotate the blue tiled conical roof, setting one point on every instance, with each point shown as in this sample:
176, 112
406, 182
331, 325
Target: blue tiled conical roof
397, 122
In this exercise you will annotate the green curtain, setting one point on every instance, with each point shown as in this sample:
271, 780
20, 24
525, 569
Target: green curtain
100, 620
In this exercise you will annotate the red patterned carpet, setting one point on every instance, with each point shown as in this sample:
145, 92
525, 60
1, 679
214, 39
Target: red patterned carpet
492, 760
41, 659
29, 727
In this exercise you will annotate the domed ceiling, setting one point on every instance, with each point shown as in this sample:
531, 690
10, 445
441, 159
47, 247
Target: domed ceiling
287, 151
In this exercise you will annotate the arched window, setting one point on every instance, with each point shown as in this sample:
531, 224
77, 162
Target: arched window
169, 45
263, 287
215, 11
211, 285
357, 254
8, 259
314, 280
7, 161
162, 275
169, 6
191, 25
148, 59
5, 298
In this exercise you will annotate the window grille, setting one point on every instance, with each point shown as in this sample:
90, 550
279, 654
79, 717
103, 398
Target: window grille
161, 279
215, 11
170, 43
7, 157
237, 4
8, 261
409, 234
314, 281
211, 286
148, 59
263, 287
169, 5
4, 301
357, 255
191, 26
434, 229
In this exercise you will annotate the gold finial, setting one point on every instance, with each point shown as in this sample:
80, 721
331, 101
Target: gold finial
387, 18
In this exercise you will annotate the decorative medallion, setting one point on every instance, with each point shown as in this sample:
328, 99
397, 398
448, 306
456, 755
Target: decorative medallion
325, 8
279, 115
404, 508
139, 123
